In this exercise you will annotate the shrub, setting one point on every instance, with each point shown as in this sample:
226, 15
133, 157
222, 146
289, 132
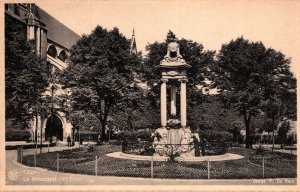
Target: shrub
260, 150
172, 154
134, 136
85, 136
128, 136
17, 135
91, 148
216, 135
291, 140
144, 135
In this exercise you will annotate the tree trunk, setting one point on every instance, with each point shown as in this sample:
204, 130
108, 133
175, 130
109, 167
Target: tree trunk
36, 128
273, 134
130, 122
41, 147
103, 135
107, 105
247, 118
248, 144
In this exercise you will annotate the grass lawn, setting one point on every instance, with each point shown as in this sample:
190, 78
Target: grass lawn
82, 161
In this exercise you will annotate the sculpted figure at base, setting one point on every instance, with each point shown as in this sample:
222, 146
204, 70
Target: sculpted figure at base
160, 139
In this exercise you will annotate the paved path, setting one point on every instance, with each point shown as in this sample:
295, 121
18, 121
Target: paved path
18, 174
277, 149
224, 157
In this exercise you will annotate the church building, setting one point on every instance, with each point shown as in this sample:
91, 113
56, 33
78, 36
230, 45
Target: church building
53, 41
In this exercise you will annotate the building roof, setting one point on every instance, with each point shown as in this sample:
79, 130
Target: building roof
57, 31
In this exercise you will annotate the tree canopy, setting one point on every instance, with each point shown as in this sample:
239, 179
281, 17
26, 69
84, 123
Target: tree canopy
101, 73
26, 75
248, 74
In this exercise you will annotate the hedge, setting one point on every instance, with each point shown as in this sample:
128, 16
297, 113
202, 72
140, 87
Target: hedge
133, 136
17, 135
86, 136
216, 135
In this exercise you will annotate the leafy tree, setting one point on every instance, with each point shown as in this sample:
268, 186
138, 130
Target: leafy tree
101, 73
26, 75
280, 93
83, 122
212, 116
138, 115
247, 74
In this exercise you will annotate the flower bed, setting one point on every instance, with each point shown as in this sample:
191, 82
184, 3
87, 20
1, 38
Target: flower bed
82, 161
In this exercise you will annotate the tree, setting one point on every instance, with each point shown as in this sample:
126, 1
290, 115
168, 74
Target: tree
212, 115
137, 114
41, 108
26, 75
247, 74
101, 73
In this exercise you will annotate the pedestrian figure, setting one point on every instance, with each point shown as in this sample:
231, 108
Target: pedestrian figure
69, 141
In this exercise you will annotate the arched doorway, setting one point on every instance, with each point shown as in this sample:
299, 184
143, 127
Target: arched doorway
54, 129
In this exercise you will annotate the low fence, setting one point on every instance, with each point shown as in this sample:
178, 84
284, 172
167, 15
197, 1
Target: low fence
84, 161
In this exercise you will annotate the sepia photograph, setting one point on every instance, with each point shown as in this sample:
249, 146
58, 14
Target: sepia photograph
147, 95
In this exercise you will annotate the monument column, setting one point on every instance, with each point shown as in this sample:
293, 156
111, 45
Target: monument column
173, 99
163, 102
183, 102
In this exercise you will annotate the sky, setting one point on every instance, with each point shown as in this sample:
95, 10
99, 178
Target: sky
212, 23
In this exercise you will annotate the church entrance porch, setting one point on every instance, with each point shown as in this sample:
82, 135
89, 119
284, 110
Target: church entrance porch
54, 129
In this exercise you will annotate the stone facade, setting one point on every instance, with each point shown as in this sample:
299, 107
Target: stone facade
52, 42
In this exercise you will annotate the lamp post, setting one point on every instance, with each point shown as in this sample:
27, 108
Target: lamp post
36, 127
42, 124
52, 112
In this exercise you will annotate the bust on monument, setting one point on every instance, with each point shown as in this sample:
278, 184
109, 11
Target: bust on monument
173, 57
173, 52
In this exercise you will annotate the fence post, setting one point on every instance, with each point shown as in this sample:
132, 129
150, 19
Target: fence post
21, 154
263, 167
57, 162
96, 165
152, 171
35, 157
48, 147
208, 169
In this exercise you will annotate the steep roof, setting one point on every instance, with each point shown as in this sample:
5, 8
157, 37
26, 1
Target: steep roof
57, 31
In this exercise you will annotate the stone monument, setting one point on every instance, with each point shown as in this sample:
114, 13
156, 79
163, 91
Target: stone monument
173, 132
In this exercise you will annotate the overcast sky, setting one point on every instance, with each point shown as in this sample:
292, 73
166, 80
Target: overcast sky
212, 23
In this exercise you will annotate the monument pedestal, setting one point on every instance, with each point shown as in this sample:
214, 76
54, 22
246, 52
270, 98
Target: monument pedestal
179, 140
